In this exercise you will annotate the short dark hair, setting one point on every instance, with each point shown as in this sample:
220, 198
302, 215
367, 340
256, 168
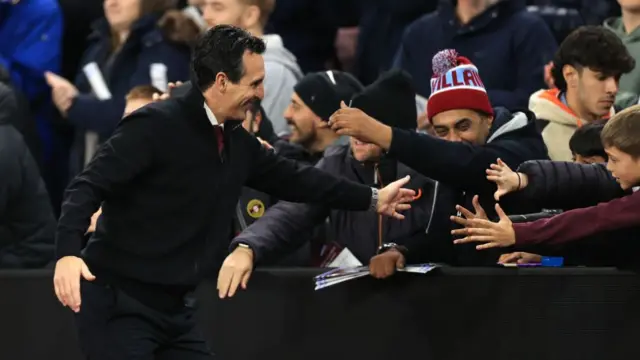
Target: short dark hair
593, 47
586, 141
220, 49
622, 131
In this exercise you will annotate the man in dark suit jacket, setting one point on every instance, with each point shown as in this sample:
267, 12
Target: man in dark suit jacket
168, 180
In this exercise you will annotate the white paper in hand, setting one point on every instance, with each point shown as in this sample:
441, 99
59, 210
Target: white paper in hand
96, 80
101, 91
345, 259
158, 75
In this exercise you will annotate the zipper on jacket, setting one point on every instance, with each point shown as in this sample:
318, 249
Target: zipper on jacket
377, 179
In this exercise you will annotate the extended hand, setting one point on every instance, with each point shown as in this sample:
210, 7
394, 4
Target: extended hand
479, 211
385, 264
520, 258
393, 198
236, 270
63, 92
66, 280
500, 234
507, 180
354, 122
166, 95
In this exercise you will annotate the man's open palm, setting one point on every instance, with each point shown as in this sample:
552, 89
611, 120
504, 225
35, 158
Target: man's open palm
394, 198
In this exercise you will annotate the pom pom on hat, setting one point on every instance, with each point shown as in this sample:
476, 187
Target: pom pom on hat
456, 84
446, 60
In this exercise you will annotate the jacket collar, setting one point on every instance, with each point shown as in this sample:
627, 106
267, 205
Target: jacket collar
194, 104
366, 171
495, 13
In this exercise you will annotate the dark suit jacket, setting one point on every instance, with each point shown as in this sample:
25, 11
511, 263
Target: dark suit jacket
168, 197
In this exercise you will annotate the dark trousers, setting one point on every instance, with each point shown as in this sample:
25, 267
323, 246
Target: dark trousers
114, 326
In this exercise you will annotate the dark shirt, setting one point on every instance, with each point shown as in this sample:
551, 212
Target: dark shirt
168, 198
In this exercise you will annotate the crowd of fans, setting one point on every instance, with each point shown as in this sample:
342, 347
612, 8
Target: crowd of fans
531, 104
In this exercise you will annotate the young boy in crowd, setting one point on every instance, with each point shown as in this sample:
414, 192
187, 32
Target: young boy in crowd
621, 140
138, 97
586, 146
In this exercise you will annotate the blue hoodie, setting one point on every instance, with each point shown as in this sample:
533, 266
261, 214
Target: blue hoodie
511, 74
30, 45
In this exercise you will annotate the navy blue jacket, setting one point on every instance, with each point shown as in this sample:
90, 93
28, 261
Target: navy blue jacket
131, 67
508, 45
460, 169
382, 24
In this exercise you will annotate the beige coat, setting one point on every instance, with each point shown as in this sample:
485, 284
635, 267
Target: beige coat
563, 122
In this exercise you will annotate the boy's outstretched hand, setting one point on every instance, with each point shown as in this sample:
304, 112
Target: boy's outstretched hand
508, 181
492, 234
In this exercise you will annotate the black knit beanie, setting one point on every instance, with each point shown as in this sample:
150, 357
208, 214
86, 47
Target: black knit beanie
323, 91
390, 100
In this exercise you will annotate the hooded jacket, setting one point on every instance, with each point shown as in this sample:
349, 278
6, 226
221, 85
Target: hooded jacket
460, 170
281, 74
629, 87
508, 45
558, 122
27, 224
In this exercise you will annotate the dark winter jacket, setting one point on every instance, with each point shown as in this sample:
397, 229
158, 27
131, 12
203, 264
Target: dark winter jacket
460, 169
509, 46
27, 224
382, 24
362, 233
567, 185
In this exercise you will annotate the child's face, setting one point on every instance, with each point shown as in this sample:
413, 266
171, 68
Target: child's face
624, 167
588, 159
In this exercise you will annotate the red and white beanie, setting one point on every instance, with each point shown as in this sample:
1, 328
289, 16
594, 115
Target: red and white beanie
456, 84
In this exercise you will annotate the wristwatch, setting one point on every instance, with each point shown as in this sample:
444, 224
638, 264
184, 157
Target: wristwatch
374, 199
388, 246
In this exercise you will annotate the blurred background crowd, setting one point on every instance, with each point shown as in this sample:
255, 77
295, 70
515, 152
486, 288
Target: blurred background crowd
70, 70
